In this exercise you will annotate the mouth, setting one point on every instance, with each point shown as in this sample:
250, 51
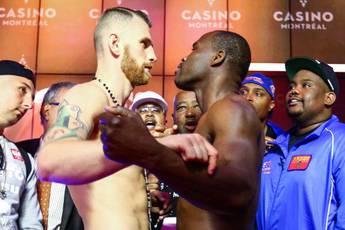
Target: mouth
178, 68
190, 125
294, 101
147, 67
150, 123
19, 113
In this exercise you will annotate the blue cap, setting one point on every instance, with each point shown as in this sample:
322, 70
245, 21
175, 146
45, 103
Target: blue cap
261, 80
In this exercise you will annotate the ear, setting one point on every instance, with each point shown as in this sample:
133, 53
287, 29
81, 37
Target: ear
45, 111
113, 44
218, 58
173, 117
330, 98
272, 105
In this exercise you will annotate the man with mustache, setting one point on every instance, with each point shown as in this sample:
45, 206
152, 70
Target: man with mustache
187, 111
302, 179
186, 115
58, 209
153, 109
214, 70
108, 195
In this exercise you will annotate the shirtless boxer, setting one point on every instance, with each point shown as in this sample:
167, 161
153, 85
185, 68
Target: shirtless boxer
72, 151
215, 68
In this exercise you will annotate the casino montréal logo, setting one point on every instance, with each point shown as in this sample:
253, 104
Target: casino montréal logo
304, 19
210, 2
303, 3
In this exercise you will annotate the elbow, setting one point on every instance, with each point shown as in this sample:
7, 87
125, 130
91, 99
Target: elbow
243, 197
44, 167
246, 197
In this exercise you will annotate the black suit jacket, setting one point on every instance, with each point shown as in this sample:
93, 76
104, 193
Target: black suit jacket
70, 216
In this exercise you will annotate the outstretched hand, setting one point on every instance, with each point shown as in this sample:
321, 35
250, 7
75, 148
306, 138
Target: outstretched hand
193, 147
162, 131
126, 139
124, 135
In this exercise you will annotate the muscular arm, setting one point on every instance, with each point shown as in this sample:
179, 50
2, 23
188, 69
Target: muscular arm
235, 184
66, 155
235, 132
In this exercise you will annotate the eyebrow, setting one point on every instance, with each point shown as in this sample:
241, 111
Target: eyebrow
307, 79
147, 41
304, 79
27, 85
259, 89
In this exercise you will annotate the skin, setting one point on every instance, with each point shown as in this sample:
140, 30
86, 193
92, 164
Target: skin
16, 98
227, 199
309, 101
50, 111
259, 98
107, 194
152, 115
186, 112
262, 102
119, 200
154, 118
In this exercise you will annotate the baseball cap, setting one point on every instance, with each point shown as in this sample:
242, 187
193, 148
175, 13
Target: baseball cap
147, 97
323, 70
261, 80
8, 67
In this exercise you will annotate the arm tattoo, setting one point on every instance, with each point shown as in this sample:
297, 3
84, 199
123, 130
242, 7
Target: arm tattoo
68, 124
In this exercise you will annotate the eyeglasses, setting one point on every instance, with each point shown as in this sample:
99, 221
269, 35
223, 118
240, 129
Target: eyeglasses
150, 108
54, 103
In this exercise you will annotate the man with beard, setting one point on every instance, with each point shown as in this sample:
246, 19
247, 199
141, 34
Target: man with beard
302, 179
187, 111
72, 151
214, 70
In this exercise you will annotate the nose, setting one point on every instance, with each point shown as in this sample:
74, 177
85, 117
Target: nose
184, 59
151, 54
149, 113
190, 112
249, 97
27, 102
293, 92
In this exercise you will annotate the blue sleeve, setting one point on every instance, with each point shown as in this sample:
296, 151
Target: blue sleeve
339, 180
30, 216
